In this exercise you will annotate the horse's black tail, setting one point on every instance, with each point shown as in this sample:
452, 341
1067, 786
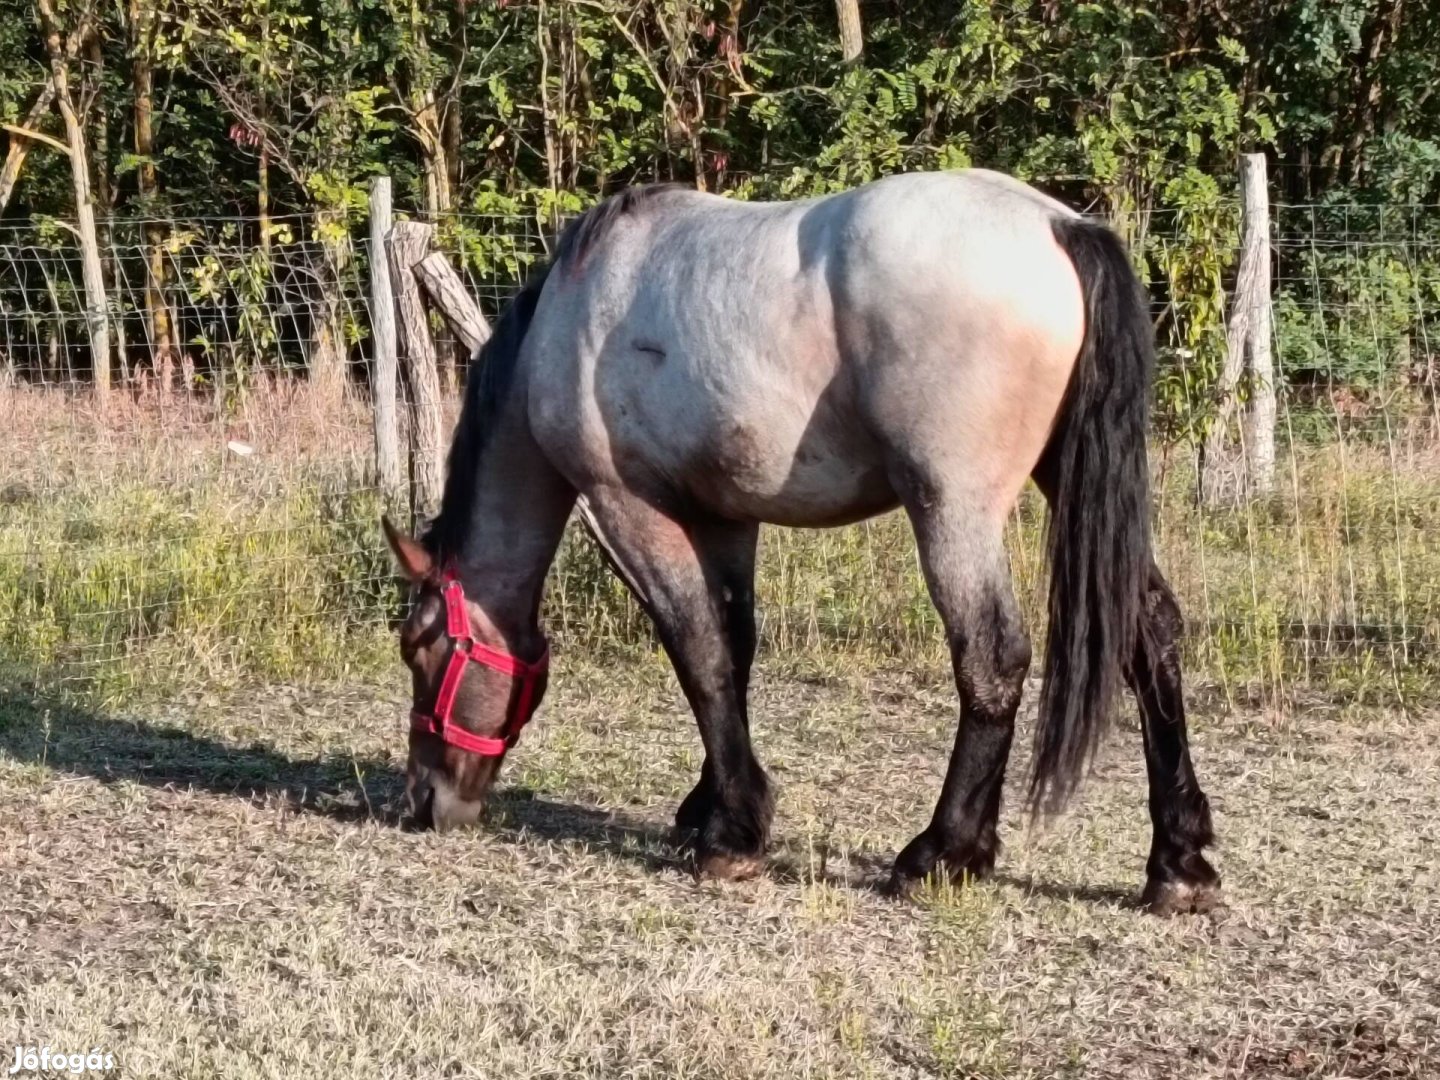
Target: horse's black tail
1096, 473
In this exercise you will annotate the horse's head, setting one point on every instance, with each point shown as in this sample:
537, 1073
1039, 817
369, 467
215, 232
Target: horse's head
470, 696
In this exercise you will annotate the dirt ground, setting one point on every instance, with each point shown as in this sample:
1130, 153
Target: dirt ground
215, 888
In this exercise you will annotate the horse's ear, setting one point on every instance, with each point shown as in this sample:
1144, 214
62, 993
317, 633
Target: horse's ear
415, 562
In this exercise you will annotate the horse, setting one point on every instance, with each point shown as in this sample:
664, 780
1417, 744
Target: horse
690, 367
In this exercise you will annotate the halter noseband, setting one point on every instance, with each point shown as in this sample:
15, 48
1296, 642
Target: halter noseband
465, 649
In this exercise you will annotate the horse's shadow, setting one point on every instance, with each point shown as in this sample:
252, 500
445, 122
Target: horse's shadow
113, 749
343, 787
347, 788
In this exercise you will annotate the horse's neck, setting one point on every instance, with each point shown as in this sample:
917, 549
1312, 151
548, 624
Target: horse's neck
516, 521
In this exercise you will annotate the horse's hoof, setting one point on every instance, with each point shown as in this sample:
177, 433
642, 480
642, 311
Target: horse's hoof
722, 867
1181, 897
902, 886
924, 858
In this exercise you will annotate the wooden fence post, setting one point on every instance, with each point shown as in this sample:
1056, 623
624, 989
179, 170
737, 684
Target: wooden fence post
1229, 472
1254, 294
409, 244
382, 321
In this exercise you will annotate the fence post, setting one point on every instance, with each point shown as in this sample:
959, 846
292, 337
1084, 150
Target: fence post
382, 321
1230, 472
1254, 295
409, 244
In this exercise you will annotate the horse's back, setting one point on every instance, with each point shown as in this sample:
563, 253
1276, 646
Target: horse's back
776, 360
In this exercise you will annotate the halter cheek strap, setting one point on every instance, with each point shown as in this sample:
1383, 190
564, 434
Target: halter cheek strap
465, 650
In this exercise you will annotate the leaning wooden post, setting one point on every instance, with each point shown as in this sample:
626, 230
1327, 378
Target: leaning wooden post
448, 293
1254, 294
409, 244
382, 322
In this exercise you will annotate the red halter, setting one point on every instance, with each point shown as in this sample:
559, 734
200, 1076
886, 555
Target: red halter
465, 649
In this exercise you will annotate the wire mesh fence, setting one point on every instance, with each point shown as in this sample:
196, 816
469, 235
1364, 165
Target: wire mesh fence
219, 521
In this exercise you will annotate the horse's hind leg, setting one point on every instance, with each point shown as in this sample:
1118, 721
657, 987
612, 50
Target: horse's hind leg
696, 582
963, 556
1179, 878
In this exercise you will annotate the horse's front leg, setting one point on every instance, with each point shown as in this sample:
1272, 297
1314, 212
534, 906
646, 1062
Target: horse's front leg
696, 582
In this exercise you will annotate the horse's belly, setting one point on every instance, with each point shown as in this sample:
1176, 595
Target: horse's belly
815, 499
821, 476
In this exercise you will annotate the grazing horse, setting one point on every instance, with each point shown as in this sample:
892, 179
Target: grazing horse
695, 366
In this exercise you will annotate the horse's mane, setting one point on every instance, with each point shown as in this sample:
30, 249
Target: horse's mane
487, 387
595, 224
492, 371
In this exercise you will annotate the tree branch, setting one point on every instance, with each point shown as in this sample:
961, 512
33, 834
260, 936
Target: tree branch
29, 133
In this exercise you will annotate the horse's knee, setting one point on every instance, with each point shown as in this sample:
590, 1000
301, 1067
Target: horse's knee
991, 655
1162, 610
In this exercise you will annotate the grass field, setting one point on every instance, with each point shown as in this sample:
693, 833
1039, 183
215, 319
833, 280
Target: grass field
201, 737
216, 889
142, 553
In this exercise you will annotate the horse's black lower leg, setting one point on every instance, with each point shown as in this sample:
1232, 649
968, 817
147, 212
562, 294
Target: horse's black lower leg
695, 582
736, 571
964, 561
1179, 878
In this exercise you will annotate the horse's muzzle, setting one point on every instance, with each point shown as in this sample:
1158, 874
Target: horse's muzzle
434, 803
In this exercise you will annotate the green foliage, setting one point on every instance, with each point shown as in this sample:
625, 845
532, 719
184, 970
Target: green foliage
1096, 100
1354, 326
1192, 260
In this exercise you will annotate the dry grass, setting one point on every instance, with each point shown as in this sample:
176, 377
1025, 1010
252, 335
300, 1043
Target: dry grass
215, 889
208, 881
140, 549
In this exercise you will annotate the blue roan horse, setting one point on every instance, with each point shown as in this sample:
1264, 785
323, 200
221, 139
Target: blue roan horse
694, 367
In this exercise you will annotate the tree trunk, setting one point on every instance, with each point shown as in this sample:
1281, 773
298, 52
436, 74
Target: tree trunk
429, 128
39, 109
450, 103
20, 144
327, 335
95, 316
547, 114
99, 123
158, 321
1366, 88
438, 204
852, 37
429, 133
